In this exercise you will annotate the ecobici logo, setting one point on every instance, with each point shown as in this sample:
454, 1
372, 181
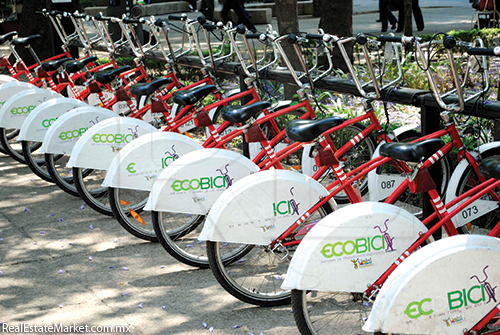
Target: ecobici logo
466, 297
360, 245
22, 110
76, 133
204, 183
415, 309
48, 122
116, 138
286, 206
164, 161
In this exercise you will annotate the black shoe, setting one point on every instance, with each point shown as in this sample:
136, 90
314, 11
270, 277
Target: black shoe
384, 30
379, 20
399, 30
420, 29
394, 26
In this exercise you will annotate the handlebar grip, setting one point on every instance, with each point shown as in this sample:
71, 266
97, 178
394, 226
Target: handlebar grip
79, 15
100, 17
449, 42
176, 18
385, 38
314, 36
240, 29
361, 39
484, 51
253, 36
209, 26
159, 23
129, 20
292, 38
202, 20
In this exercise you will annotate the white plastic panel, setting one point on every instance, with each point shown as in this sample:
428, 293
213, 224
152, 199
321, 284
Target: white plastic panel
41, 118
442, 288
193, 182
9, 89
97, 147
258, 208
140, 162
67, 129
358, 241
15, 110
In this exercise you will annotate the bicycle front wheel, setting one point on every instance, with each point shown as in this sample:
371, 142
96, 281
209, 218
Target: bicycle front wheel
90, 190
128, 209
8, 140
318, 313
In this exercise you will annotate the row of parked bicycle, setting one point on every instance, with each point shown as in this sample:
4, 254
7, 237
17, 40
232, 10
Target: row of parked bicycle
268, 224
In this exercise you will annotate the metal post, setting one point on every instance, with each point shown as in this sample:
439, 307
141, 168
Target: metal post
430, 121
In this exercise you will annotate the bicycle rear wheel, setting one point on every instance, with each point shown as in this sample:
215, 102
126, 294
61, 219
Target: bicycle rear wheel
318, 313
90, 190
257, 277
8, 140
128, 209
61, 174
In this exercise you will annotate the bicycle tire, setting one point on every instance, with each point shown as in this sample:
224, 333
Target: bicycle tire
89, 189
485, 223
10, 133
61, 175
319, 313
11, 146
37, 165
130, 215
266, 291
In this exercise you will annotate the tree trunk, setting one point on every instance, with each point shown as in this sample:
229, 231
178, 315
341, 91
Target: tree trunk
316, 8
408, 29
336, 19
31, 23
288, 22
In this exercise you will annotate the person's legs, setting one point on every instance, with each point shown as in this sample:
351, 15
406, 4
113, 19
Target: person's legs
399, 4
242, 17
392, 19
417, 14
207, 8
225, 11
382, 8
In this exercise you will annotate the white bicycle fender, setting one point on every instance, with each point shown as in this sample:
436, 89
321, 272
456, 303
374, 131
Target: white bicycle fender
7, 79
140, 162
15, 110
258, 208
477, 208
352, 247
193, 182
41, 118
7, 90
443, 288
97, 147
67, 129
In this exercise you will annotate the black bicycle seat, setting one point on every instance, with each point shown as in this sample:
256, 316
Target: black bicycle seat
107, 77
25, 40
148, 88
77, 65
308, 130
193, 95
7, 37
53, 65
240, 114
411, 152
490, 167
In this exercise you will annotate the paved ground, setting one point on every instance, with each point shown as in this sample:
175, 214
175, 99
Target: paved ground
46, 276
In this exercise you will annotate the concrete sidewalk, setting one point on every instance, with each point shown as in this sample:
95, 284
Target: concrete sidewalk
47, 239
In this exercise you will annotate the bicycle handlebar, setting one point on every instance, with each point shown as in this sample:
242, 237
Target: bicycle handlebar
484, 51
396, 39
182, 17
254, 36
314, 36
128, 20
